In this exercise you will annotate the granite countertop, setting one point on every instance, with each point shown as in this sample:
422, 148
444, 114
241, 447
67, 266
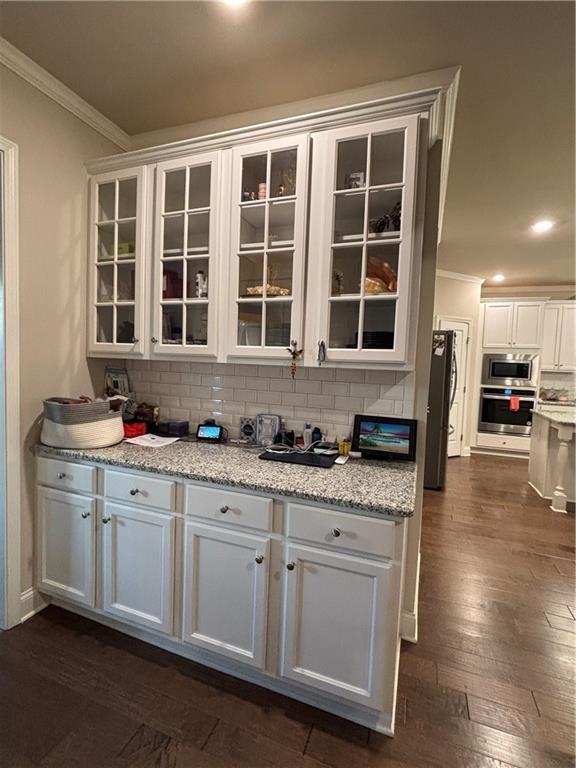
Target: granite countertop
382, 487
558, 415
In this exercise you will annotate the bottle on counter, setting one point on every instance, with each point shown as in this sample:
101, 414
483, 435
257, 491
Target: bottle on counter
307, 434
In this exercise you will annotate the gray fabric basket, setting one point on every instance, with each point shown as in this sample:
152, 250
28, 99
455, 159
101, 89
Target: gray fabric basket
75, 413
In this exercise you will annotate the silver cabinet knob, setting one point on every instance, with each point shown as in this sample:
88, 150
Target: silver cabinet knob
61, 475
106, 520
85, 515
259, 559
134, 491
154, 340
336, 532
224, 509
290, 566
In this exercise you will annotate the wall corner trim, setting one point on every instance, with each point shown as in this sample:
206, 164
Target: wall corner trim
460, 276
33, 73
31, 603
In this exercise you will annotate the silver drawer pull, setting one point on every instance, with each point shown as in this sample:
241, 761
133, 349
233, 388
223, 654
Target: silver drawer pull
134, 491
224, 509
61, 475
290, 566
259, 559
85, 515
336, 532
106, 520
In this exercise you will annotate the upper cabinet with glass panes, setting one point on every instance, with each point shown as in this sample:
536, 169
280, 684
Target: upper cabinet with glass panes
267, 247
186, 290
361, 242
117, 311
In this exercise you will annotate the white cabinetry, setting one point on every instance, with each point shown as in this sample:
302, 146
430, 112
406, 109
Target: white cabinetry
186, 256
362, 241
66, 525
559, 337
138, 566
118, 268
512, 324
225, 592
335, 615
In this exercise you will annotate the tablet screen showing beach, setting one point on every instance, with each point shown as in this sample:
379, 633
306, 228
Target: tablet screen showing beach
378, 436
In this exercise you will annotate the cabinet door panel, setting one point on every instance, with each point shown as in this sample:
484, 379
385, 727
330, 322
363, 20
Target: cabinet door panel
550, 337
567, 345
362, 241
225, 592
265, 266
498, 325
138, 566
335, 637
66, 535
527, 325
186, 248
118, 268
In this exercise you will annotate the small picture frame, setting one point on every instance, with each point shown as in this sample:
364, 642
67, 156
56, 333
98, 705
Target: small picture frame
356, 180
385, 437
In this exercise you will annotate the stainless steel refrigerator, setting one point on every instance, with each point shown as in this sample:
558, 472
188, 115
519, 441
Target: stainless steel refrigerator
443, 383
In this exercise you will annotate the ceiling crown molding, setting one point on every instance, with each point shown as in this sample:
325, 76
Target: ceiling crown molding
459, 276
37, 76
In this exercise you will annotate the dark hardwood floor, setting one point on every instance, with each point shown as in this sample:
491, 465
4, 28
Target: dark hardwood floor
489, 685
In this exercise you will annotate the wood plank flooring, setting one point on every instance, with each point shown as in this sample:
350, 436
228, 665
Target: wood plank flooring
490, 683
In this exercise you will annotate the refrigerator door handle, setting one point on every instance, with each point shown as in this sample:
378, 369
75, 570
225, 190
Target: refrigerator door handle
452, 428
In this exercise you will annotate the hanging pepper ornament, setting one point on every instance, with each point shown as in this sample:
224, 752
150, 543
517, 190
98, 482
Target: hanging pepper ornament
295, 354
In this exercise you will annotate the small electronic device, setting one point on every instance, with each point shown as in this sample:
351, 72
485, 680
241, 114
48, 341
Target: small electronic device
385, 437
210, 433
305, 458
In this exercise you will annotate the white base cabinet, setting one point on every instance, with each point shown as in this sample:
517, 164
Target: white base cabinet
302, 599
138, 566
66, 545
334, 623
225, 592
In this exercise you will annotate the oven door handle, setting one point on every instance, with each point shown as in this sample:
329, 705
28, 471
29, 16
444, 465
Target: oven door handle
508, 397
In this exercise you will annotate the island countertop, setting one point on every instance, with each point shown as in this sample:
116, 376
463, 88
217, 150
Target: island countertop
558, 415
378, 487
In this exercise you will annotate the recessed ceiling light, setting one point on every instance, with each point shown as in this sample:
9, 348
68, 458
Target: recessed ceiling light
498, 278
234, 2
542, 226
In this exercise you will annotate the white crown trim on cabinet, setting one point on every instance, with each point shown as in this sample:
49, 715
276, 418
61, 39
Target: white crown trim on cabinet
459, 276
33, 73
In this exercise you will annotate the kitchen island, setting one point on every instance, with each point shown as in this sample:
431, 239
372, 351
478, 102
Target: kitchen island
553, 455
287, 576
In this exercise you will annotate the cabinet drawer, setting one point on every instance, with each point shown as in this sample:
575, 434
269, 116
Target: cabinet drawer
229, 507
140, 490
65, 475
339, 529
504, 442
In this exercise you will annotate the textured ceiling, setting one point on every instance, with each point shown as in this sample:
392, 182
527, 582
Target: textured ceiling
154, 65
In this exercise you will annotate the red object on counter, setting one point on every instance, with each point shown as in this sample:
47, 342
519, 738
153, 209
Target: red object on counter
135, 430
514, 403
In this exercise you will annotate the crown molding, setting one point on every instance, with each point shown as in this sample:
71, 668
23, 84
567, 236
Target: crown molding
459, 276
33, 73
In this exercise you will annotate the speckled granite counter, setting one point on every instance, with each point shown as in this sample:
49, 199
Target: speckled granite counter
386, 488
558, 415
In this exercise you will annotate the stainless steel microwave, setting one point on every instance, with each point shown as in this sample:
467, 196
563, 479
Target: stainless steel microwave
510, 370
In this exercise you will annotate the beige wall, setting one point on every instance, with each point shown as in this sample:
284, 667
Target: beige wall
53, 146
459, 299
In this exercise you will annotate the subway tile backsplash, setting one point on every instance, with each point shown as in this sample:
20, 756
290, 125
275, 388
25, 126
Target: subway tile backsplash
326, 397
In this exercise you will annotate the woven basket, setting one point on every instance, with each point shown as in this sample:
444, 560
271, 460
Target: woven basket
59, 410
101, 432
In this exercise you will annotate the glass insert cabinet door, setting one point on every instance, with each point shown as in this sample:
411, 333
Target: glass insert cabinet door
117, 263
185, 256
267, 249
361, 241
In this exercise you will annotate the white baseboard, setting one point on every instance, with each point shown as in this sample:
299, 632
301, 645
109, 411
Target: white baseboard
466, 451
31, 602
409, 626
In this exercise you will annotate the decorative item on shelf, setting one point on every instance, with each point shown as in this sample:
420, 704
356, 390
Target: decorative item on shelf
271, 290
388, 222
380, 277
281, 190
246, 196
262, 190
288, 181
295, 354
338, 278
124, 249
201, 285
355, 180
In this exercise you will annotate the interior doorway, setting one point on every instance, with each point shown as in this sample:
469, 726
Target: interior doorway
461, 328
10, 610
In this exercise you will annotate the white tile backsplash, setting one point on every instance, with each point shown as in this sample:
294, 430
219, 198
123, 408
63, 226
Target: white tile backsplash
326, 397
